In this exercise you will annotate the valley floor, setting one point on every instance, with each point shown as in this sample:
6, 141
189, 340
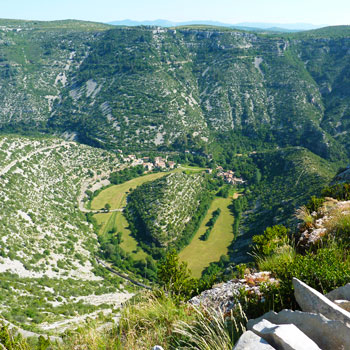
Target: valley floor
199, 254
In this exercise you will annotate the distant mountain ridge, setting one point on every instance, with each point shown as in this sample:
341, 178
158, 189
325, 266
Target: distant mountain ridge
279, 27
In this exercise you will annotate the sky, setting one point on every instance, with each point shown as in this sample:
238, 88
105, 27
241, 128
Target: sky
331, 12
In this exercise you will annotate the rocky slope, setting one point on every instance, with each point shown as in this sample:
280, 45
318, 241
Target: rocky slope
322, 323
47, 267
152, 87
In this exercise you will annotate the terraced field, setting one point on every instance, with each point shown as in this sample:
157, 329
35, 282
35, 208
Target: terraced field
199, 254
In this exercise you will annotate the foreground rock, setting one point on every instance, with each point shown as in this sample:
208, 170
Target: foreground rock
284, 337
310, 300
321, 325
251, 341
327, 334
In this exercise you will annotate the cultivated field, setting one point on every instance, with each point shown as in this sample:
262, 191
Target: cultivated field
199, 254
118, 221
116, 195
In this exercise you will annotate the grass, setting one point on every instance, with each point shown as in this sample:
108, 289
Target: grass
108, 221
284, 255
116, 195
199, 254
129, 243
146, 321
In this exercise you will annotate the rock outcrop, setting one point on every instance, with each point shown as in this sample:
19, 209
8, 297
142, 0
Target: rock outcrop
310, 300
224, 295
320, 225
322, 323
327, 334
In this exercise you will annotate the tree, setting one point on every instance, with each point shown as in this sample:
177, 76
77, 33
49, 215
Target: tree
174, 277
257, 177
107, 207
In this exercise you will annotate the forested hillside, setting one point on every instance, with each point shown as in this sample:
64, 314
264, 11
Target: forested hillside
156, 88
160, 210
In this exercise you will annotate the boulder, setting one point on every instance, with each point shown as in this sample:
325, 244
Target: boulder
342, 293
327, 334
250, 341
284, 337
310, 300
157, 347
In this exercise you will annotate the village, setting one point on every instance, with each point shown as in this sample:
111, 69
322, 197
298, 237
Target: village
229, 176
158, 162
161, 163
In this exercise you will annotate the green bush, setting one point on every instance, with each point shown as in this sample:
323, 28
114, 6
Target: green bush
270, 240
175, 278
338, 191
324, 270
314, 204
340, 229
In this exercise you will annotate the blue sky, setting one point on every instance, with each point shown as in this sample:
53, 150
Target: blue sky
230, 11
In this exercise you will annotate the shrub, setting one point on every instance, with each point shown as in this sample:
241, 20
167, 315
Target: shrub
315, 204
270, 240
338, 191
174, 277
339, 227
326, 269
284, 255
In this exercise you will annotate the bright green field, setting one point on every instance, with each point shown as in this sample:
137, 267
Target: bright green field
116, 195
199, 254
118, 221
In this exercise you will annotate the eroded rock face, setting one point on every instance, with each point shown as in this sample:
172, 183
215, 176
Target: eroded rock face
250, 341
284, 337
313, 232
310, 300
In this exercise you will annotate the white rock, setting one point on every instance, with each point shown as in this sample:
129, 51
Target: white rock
327, 334
284, 337
251, 341
157, 347
310, 300
342, 293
